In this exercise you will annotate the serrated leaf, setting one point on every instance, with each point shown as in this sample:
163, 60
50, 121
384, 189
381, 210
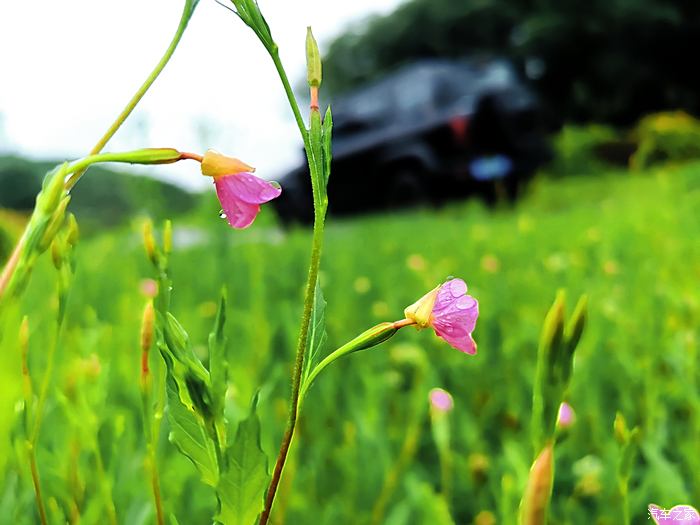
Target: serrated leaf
317, 332
327, 143
242, 487
188, 434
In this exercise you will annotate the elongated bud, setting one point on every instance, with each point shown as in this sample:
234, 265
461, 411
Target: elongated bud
214, 164
374, 336
553, 328
577, 323
167, 237
153, 156
53, 190
147, 325
313, 60
57, 253
54, 225
534, 505
24, 335
73, 230
149, 242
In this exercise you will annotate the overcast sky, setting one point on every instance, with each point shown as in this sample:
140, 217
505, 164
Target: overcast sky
68, 68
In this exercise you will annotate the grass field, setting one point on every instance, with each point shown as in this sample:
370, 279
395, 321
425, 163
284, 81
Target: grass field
365, 451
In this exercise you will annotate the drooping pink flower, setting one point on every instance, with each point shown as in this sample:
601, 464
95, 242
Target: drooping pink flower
441, 400
241, 195
240, 192
450, 312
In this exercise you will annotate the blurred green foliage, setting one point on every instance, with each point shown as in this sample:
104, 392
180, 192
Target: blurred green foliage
628, 242
106, 198
602, 60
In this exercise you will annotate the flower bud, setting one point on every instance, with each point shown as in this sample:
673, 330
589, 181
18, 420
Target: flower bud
313, 60
149, 242
147, 324
566, 416
534, 505
55, 223
214, 164
574, 329
168, 237
57, 253
421, 310
24, 334
73, 230
53, 190
441, 400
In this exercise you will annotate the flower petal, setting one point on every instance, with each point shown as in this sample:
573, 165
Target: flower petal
239, 214
454, 315
249, 188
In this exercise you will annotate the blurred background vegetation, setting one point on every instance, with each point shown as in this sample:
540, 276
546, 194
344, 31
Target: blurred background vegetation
614, 215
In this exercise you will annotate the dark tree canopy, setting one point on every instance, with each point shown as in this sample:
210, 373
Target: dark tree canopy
602, 60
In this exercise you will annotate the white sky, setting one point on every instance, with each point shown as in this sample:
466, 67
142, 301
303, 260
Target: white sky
68, 67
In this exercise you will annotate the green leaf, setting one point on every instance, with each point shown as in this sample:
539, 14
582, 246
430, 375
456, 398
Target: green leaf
242, 486
218, 365
317, 332
327, 137
188, 434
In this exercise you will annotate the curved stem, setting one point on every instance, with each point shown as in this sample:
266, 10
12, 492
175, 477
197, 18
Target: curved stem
184, 19
372, 337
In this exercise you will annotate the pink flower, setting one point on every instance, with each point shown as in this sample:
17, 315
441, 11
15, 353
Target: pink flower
441, 400
240, 193
450, 312
566, 416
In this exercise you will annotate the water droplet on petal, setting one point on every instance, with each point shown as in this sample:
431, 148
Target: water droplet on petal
275, 184
222, 214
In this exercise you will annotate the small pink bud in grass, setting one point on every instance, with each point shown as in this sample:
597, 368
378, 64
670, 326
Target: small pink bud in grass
441, 400
240, 193
450, 312
566, 416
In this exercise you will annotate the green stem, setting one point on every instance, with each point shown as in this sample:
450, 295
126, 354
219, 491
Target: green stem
372, 337
184, 19
274, 53
316, 246
37, 484
43, 392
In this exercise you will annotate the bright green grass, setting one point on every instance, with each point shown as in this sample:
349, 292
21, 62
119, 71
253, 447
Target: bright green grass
630, 241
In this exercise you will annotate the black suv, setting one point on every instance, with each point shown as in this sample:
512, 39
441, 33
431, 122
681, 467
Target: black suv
432, 131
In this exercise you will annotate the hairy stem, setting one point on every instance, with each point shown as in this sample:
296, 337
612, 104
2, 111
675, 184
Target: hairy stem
298, 368
316, 246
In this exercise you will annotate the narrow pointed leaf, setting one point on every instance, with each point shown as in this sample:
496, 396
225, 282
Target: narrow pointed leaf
317, 332
327, 138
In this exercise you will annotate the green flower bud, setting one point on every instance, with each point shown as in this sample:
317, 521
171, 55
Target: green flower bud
55, 223
313, 60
